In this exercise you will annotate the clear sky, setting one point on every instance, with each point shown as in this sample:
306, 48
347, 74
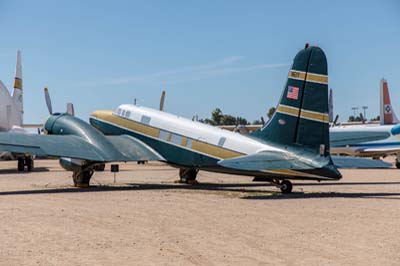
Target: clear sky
229, 54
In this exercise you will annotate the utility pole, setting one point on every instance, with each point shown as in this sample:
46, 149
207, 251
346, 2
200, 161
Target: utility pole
354, 110
365, 108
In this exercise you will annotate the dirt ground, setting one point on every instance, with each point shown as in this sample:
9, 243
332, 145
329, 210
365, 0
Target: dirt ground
147, 219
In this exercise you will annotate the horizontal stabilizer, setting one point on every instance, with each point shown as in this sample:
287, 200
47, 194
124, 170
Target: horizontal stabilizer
273, 160
360, 163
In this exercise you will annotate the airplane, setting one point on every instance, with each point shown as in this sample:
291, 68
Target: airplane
387, 114
386, 134
12, 114
294, 144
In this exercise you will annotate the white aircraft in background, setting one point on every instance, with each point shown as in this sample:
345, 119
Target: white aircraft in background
12, 115
387, 134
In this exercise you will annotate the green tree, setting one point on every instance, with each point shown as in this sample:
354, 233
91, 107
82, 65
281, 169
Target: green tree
217, 116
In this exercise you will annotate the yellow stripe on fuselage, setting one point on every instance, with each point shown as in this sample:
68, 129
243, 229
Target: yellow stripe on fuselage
200, 146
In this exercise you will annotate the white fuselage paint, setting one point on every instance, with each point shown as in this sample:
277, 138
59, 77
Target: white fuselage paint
10, 115
383, 147
194, 130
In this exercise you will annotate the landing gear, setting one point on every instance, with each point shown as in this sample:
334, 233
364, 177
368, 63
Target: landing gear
286, 186
188, 175
25, 161
29, 163
82, 178
99, 167
21, 164
397, 163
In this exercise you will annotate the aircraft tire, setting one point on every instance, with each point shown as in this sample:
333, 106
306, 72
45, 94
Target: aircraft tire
82, 178
397, 164
188, 175
29, 163
21, 165
286, 187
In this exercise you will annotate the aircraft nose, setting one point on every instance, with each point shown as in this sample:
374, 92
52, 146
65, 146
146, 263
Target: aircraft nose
395, 130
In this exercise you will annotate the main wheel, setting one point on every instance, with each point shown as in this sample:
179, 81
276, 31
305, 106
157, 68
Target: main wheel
286, 186
29, 163
82, 178
188, 175
397, 164
21, 164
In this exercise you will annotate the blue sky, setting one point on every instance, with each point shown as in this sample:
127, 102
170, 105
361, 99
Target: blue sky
229, 54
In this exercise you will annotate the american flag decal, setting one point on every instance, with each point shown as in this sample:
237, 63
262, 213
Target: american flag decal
292, 92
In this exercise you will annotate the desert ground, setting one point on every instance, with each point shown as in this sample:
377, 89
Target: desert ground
145, 218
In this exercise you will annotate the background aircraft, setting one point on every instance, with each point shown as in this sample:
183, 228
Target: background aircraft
387, 135
12, 115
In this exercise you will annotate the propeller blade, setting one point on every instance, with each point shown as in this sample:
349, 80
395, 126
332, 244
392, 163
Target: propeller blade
162, 101
362, 118
48, 101
335, 121
70, 109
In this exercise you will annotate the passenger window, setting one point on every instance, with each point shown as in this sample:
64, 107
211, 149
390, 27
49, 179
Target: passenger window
189, 143
176, 139
163, 135
128, 114
221, 141
123, 113
145, 120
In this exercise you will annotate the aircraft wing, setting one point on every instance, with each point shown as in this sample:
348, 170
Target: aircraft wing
271, 160
338, 138
359, 163
385, 149
76, 147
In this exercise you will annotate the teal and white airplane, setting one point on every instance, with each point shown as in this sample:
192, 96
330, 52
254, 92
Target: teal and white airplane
294, 144
370, 140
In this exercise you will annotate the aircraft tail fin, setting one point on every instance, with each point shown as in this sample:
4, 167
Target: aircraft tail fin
301, 117
387, 114
17, 93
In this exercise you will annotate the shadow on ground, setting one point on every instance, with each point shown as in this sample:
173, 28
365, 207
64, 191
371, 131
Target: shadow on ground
249, 191
15, 171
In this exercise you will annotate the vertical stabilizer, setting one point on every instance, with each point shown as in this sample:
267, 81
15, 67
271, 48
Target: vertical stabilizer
387, 115
17, 93
301, 117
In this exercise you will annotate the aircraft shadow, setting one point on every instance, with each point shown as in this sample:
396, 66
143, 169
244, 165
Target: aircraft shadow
249, 189
14, 171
